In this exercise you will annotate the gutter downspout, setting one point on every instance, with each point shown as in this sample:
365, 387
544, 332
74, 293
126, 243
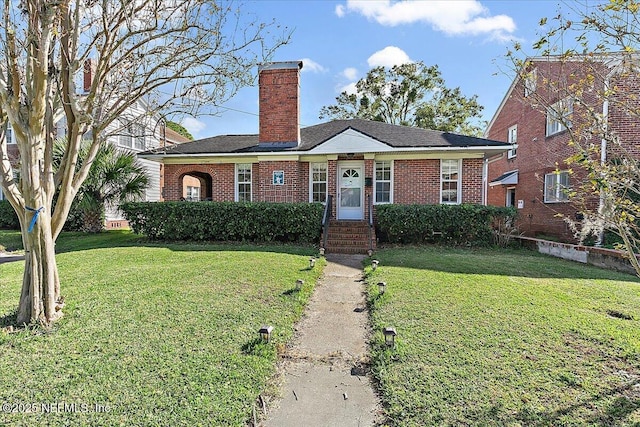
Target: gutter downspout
603, 155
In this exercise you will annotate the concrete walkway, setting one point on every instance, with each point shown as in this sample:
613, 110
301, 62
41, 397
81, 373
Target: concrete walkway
326, 372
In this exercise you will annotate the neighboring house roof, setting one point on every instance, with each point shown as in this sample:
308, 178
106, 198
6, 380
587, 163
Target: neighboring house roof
390, 137
174, 137
508, 178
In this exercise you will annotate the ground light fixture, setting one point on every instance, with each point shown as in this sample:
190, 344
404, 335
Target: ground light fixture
312, 262
299, 284
265, 333
389, 336
374, 264
381, 287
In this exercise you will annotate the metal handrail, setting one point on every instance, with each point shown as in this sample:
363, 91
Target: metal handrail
370, 204
326, 217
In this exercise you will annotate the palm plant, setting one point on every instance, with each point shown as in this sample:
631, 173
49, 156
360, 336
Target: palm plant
115, 177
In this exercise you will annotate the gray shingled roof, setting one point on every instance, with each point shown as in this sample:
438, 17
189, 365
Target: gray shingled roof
312, 136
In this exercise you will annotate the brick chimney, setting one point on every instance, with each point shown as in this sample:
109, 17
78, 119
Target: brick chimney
89, 73
279, 89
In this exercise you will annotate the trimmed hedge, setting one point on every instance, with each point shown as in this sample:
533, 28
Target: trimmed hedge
446, 224
8, 217
226, 221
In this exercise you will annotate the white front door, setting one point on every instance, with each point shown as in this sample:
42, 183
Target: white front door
350, 191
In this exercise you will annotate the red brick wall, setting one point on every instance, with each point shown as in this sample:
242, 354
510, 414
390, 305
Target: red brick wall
222, 177
294, 189
416, 181
472, 180
279, 105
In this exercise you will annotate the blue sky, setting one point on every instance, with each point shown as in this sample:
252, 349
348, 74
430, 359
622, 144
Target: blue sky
339, 41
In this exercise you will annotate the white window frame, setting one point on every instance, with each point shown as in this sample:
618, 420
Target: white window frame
9, 137
312, 167
238, 182
559, 116
138, 136
555, 180
193, 193
530, 82
376, 180
512, 138
458, 180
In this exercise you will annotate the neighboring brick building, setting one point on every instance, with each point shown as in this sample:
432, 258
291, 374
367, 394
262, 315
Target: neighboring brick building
528, 177
351, 160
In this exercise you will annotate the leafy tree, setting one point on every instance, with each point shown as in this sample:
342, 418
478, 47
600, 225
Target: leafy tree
597, 47
115, 177
180, 129
182, 56
410, 94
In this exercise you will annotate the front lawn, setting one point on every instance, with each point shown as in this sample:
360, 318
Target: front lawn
153, 335
498, 338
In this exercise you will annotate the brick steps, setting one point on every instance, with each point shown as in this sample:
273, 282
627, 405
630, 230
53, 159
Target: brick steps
348, 237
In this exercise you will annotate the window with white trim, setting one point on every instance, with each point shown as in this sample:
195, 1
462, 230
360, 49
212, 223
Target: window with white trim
243, 182
132, 136
512, 138
559, 116
450, 181
137, 131
530, 82
9, 137
318, 182
193, 194
556, 187
383, 186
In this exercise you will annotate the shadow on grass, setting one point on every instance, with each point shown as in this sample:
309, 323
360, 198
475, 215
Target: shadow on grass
612, 414
75, 241
492, 261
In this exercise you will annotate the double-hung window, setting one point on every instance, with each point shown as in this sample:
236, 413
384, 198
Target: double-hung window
559, 116
512, 138
9, 136
556, 187
450, 181
383, 174
318, 180
193, 194
243, 182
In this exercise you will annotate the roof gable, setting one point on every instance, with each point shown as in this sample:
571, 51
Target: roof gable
350, 141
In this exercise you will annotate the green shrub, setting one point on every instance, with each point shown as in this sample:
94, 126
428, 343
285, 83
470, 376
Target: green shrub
226, 221
446, 224
8, 217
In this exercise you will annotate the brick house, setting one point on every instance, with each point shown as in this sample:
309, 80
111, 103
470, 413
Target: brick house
359, 164
534, 176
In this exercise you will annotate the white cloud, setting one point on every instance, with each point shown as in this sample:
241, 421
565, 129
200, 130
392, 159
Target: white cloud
463, 17
340, 10
388, 57
193, 125
350, 88
312, 66
350, 73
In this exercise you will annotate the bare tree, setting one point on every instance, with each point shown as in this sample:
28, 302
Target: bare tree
596, 75
179, 56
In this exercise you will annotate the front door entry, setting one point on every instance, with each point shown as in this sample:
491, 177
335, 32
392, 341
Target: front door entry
350, 192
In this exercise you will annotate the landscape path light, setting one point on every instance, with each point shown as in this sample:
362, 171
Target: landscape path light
390, 336
374, 264
381, 287
265, 333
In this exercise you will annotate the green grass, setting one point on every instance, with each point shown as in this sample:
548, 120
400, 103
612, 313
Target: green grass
497, 338
161, 335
